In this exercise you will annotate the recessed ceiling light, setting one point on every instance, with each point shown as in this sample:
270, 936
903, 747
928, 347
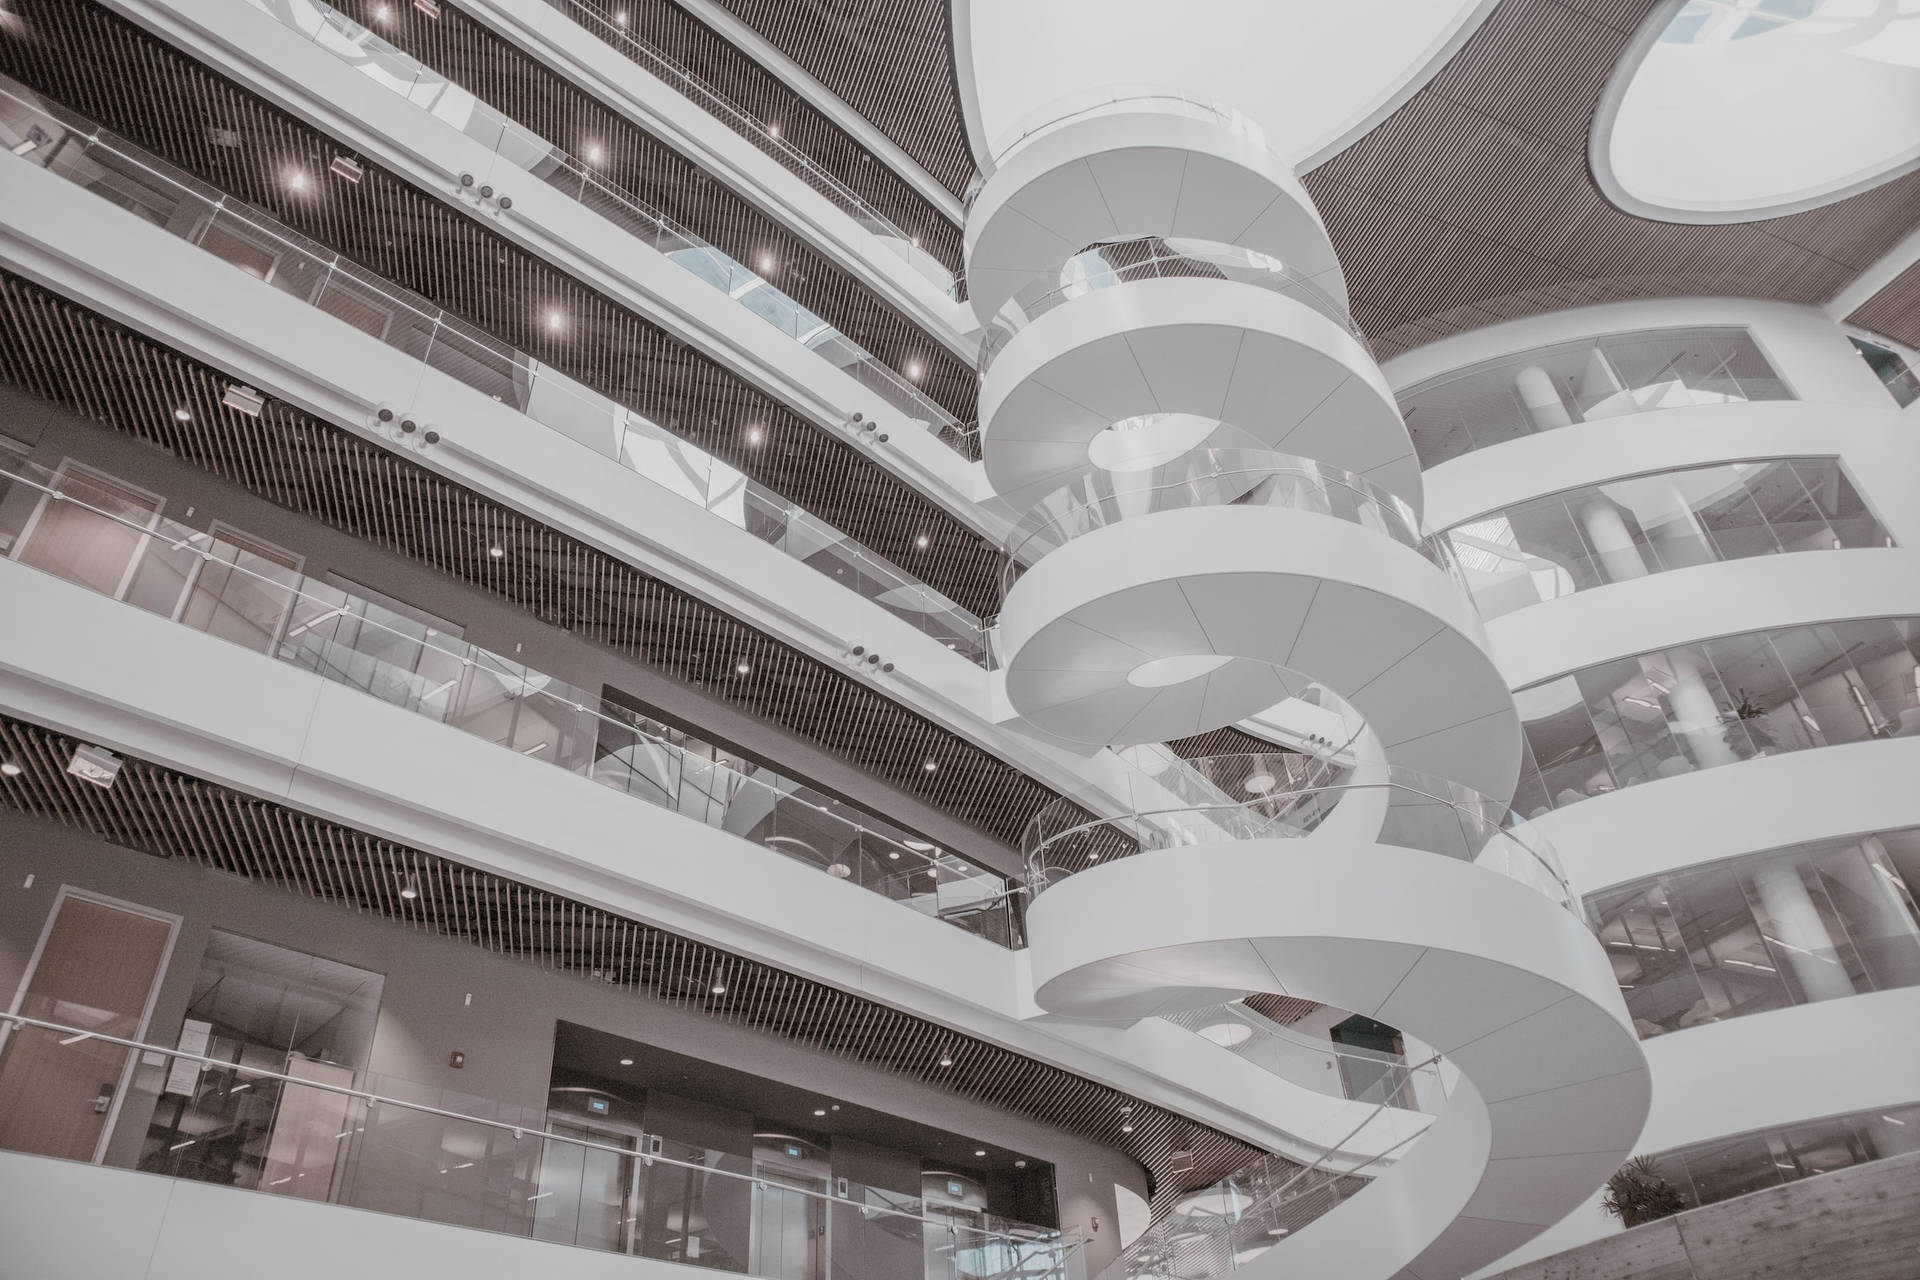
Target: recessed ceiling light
922, 541
766, 263
743, 667
1019, 1164
836, 1106
11, 768
773, 130
819, 1111
620, 18
1127, 1127
182, 415
755, 435
1258, 783
593, 154
981, 1152
931, 765
496, 551
554, 321
894, 854
626, 1062
915, 369
297, 179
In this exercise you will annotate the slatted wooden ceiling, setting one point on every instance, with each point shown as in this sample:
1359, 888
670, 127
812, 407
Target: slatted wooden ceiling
114, 73
1474, 204
161, 811
890, 60
1895, 310
714, 61
502, 75
67, 354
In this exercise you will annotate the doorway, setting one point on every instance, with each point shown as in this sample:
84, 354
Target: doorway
97, 969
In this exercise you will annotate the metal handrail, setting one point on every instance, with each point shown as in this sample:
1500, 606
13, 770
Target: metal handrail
530, 683
16, 1021
446, 328
1274, 277
1039, 878
1255, 466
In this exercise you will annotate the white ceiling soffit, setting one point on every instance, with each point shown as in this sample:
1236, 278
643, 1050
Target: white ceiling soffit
1738, 110
1314, 76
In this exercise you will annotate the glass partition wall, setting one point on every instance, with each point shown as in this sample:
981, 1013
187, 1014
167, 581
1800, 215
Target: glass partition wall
1630, 528
96, 531
1585, 381
1709, 1172
1766, 930
1714, 702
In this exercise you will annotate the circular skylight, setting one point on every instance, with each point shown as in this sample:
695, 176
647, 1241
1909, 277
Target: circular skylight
1733, 110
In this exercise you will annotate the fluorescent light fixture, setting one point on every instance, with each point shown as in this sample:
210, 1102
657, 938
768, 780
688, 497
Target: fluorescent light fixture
243, 399
94, 764
76, 1039
182, 1146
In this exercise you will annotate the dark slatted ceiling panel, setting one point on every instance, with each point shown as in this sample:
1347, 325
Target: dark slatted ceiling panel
116, 74
715, 62
1895, 310
1224, 742
500, 74
893, 63
1474, 204
160, 811
64, 353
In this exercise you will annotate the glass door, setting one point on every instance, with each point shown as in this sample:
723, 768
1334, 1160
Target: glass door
96, 968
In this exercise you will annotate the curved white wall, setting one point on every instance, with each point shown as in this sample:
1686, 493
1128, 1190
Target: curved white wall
1789, 1065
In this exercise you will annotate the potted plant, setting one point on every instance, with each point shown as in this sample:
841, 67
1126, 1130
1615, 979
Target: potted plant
1638, 1193
1747, 723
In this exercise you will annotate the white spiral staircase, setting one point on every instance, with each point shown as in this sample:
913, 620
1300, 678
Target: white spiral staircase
1223, 508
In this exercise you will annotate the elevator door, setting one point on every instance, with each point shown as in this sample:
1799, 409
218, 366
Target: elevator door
789, 1224
95, 969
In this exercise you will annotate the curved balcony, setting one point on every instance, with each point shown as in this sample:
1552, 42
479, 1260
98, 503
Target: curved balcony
1256, 363
1407, 899
1217, 478
1108, 266
1137, 164
1406, 810
1240, 592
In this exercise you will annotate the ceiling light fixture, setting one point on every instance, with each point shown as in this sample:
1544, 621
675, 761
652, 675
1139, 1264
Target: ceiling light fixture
383, 15
1019, 1164
297, 179
946, 1059
719, 988
626, 1062
182, 415
11, 768
755, 436
922, 541
743, 668
410, 887
773, 130
554, 321
620, 19
347, 167
243, 399
981, 1152
819, 1111
497, 551
429, 7
931, 766
914, 370
766, 263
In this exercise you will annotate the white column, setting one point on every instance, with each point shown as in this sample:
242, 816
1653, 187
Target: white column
1612, 541
1800, 933
1541, 398
1694, 708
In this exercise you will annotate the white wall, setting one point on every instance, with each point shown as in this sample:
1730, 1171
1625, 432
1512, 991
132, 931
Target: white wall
1314, 76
